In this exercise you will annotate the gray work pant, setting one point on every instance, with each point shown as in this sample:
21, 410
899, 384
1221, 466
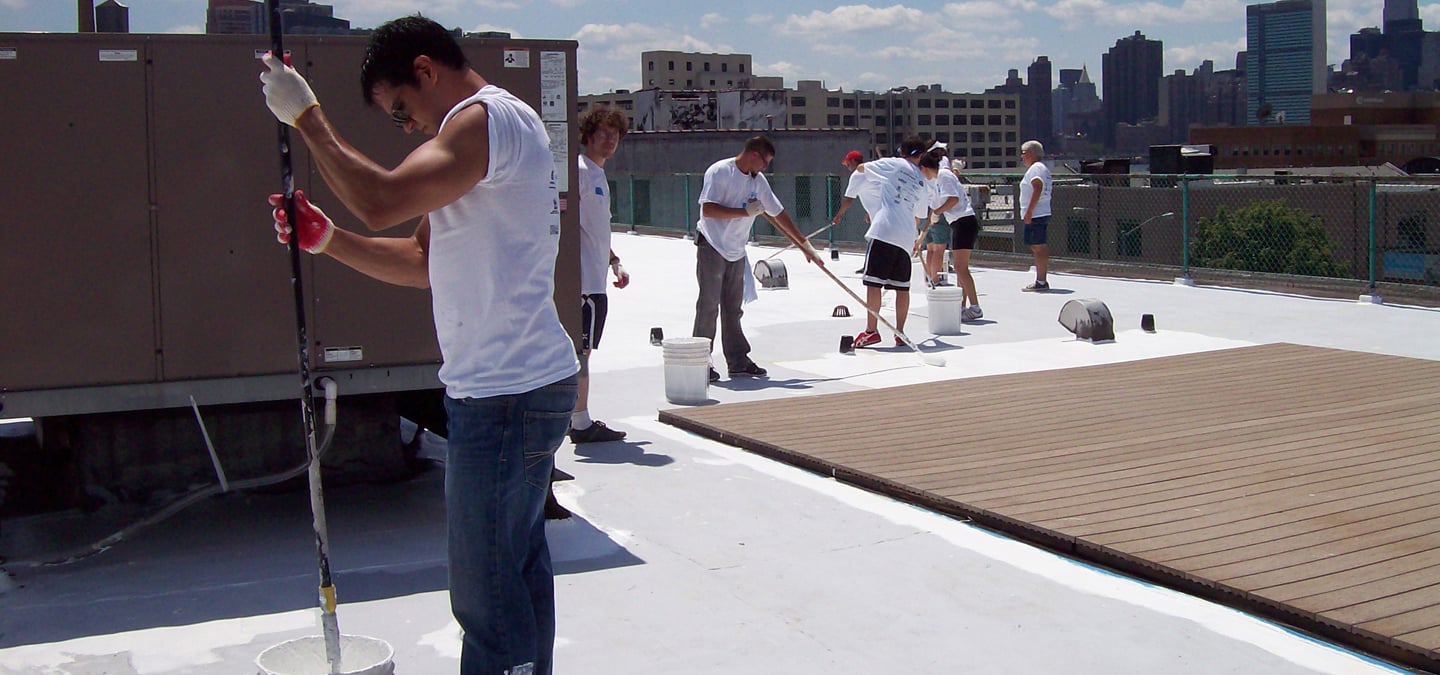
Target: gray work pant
722, 291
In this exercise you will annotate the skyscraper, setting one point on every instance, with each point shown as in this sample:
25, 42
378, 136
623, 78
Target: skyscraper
1036, 114
1284, 60
1131, 73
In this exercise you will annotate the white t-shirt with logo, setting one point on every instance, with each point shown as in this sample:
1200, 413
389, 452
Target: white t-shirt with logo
594, 227
893, 193
492, 263
947, 185
1027, 188
726, 185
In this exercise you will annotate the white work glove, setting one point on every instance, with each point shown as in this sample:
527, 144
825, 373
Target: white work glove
316, 228
754, 208
286, 92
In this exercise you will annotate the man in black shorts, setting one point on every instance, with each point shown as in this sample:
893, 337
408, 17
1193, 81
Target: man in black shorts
894, 194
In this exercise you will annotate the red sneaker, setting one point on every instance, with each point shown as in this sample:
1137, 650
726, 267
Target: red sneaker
899, 342
867, 338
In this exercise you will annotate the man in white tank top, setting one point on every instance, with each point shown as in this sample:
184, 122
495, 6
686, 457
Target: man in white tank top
484, 191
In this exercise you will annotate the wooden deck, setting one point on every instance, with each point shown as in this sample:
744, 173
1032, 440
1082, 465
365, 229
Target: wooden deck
1298, 483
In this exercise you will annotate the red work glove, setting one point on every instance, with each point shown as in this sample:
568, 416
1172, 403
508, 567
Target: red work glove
316, 228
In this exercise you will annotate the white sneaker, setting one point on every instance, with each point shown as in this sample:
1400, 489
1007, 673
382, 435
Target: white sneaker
971, 313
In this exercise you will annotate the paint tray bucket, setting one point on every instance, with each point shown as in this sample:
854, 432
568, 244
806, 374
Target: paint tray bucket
359, 655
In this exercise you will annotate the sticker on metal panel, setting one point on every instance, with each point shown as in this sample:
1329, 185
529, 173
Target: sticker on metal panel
119, 55
9, 53
344, 354
517, 58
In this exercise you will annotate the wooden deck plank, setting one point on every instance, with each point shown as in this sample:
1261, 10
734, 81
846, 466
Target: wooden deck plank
1294, 481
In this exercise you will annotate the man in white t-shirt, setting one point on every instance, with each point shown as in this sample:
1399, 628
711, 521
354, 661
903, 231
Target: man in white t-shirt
601, 128
734, 192
1035, 210
950, 203
484, 191
893, 193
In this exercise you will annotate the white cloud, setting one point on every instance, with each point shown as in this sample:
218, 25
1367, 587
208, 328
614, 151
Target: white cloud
1188, 57
712, 20
490, 27
13, 4
616, 47
1430, 13
1086, 14
567, 3
187, 29
847, 19
760, 19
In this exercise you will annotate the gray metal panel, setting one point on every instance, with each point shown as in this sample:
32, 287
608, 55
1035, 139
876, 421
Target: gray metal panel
139, 252
391, 325
75, 227
226, 305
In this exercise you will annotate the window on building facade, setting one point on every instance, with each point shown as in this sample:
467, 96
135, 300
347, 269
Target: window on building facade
832, 102
650, 66
993, 120
1009, 120
797, 101
994, 103
832, 120
865, 104
707, 66
977, 120
672, 81
880, 105
897, 138
797, 120
977, 137
922, 120
724, 67
995, 152
689, 66
689, 84
849, 120
942, 120
942, 103
898, 120
712, 83
959, 120
960, 152
942, 136
977, 103
994, 137
922, 103
849, 104
672, 65
1010, 104
1010, 137
881, 120
742, 67
880, 139
1011, 164
1010, 151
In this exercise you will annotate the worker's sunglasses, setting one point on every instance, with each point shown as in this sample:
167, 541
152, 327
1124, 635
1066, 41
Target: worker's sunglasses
398, 114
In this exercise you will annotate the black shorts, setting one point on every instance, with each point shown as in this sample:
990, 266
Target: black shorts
886, 266
964, 233
593, 309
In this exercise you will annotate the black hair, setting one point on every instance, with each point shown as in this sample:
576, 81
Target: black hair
761, 145
394, 46
930, 161
912, 146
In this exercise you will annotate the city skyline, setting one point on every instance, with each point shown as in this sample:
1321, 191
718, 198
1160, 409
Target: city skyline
866, 47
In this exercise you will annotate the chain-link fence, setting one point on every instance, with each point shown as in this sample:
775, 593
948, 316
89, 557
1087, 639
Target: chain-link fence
1369, 229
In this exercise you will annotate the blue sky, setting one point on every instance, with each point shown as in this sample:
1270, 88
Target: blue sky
965, 46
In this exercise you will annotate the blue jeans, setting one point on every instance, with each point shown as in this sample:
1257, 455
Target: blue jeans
497, 473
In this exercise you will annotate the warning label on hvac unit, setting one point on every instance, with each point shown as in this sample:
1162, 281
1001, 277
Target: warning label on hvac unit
344, 354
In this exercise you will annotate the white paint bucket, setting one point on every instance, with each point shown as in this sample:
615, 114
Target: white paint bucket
687, 370
359, 655
945, 303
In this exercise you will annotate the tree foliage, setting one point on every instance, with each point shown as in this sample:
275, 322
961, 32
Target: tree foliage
1266, 237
